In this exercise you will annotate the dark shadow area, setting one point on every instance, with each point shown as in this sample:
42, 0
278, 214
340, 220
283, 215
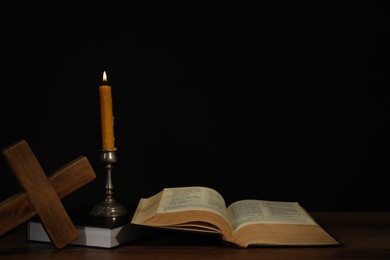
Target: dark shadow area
268, 101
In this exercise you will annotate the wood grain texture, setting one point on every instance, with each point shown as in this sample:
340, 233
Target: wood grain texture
42, 195
17, 209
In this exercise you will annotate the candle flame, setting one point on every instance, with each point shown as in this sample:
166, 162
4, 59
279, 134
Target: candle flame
104, 76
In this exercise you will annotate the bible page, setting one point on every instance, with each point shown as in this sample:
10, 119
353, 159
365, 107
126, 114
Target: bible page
192, 198
247, 212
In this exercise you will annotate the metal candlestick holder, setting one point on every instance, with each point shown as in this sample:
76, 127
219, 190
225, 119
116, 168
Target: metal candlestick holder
109, 208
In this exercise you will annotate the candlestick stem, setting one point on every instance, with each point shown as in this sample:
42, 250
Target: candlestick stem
109, 208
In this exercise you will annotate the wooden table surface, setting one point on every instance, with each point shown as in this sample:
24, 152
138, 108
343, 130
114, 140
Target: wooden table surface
365, 235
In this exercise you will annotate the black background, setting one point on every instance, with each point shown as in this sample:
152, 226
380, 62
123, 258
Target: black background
283, 101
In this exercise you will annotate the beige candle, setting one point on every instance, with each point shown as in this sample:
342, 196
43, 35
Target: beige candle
107, 118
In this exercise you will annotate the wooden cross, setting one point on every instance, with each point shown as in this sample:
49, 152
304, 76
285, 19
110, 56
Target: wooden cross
41, 194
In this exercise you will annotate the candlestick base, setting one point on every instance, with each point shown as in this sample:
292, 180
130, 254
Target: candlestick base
109, 208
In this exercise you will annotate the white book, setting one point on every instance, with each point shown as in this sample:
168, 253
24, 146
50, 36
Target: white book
90, 234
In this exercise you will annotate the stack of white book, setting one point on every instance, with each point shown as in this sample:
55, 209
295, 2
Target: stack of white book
90, 233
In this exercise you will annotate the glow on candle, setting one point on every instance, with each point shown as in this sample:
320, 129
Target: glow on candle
106, 115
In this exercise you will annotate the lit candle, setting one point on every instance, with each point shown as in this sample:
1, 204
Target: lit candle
107, 118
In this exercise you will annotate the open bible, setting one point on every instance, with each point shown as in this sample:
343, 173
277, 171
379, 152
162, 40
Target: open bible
244, 223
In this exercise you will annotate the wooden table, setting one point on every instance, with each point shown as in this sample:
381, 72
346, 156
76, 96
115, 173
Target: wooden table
365, 235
